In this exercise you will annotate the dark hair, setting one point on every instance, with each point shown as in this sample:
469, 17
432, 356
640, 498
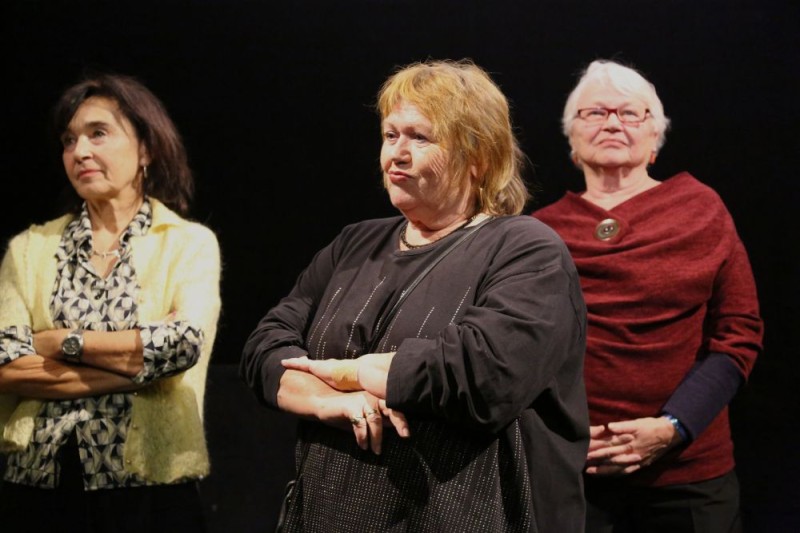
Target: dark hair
169, 178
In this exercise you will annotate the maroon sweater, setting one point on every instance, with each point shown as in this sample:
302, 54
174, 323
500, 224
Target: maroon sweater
673, 285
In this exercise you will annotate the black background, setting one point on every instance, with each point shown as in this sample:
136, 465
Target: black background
274, 100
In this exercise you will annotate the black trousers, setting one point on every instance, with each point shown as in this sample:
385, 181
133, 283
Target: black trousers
712, 506
69, 508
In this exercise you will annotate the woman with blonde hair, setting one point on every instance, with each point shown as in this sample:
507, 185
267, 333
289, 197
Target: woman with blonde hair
434, 358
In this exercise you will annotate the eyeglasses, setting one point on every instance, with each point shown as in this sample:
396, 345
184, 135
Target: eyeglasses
626, 115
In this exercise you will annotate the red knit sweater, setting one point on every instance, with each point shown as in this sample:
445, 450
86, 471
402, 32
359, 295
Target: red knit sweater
672, 285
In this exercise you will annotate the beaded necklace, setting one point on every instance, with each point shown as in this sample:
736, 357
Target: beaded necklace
415, 246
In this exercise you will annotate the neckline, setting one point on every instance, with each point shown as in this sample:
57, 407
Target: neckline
409, 246
664, 185
478, 219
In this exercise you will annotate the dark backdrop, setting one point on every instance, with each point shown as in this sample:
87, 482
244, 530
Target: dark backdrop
274, 100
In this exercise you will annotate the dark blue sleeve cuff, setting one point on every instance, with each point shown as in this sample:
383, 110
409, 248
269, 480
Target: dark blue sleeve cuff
708, 387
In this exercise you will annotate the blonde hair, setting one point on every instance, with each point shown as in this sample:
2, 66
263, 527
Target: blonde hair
627, 81
470, 116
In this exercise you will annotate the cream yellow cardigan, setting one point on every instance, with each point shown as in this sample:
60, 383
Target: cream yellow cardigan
178, 268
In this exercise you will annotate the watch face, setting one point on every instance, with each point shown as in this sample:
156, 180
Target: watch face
71, 346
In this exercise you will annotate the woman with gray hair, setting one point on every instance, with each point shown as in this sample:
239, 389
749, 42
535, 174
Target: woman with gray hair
673, 321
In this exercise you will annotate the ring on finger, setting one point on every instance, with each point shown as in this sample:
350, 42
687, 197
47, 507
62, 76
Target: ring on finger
370, 411
355, 420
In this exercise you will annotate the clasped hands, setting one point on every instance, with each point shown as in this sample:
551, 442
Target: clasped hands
621, 448
362, 403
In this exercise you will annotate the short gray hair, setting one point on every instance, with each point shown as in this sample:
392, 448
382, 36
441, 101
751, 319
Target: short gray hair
627, 81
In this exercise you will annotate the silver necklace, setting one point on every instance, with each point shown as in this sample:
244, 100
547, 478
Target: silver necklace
104, 255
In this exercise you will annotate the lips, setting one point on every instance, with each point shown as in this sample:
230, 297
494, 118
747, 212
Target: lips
86, 172
614, 142
397, 177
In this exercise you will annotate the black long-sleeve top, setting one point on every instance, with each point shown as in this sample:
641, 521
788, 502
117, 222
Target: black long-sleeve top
488, 370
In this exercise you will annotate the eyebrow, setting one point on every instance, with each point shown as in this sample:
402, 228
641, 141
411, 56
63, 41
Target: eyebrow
406, 127
93, 124
618, 106
87, 125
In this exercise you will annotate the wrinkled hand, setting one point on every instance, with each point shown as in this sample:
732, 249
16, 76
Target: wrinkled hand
621, 448
328, 370
369, 372
373, 372
48, 343
367, 416
361, 409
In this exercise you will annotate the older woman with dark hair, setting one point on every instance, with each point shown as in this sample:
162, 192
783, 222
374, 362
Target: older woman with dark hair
434, 358
107, 319
674, 327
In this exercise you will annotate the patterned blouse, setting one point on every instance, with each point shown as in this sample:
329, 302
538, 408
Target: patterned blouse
83, 299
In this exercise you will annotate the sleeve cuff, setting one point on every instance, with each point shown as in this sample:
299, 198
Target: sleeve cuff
15, 341
678, 426
708, 387
168, 348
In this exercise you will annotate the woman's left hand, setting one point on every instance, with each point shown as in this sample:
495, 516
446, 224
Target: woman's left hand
373, 372
368, 425
624, 447
365, 414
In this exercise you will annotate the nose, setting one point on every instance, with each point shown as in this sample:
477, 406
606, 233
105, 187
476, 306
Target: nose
82, 148
613, 121
398, 151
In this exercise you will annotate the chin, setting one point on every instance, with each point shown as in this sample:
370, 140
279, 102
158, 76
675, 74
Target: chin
404, 207
612, 162
401, 199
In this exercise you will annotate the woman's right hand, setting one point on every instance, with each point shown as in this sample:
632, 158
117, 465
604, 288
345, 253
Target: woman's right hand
621, 448
47, 343
365, 414
340, 374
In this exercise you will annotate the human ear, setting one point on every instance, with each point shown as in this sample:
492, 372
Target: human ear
144, 156
575, 160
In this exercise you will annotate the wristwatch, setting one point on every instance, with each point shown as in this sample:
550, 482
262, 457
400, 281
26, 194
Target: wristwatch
72, 346
678, 426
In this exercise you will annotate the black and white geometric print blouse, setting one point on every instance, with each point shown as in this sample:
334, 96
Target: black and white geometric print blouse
83, 299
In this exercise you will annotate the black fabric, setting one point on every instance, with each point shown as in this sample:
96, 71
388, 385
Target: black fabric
488, 368
380, 330
70, 509
442, 252
712, 506
288, 498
